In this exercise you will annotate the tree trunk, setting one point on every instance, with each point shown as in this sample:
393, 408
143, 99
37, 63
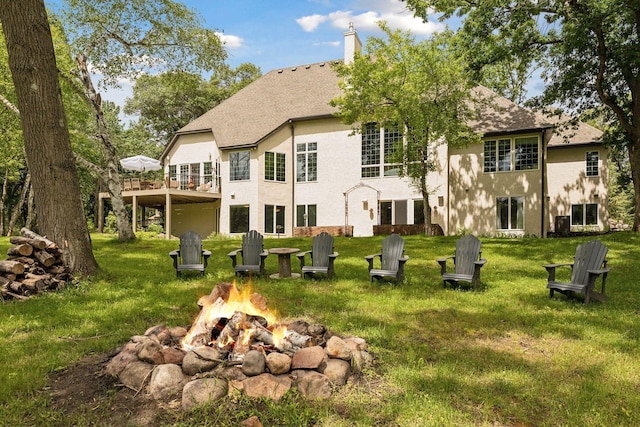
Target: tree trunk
17, 209
47, 145
634, 162
31, 215
3, 198
109, 174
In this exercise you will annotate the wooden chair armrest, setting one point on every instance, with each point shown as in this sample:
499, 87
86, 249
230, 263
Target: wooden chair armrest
206, 253
370, 258
551, 269
301, 257
480, 262
302, 254
233, 255
598, 272
334, 255
174, 253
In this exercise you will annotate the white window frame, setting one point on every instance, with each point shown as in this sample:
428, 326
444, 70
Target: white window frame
505, 154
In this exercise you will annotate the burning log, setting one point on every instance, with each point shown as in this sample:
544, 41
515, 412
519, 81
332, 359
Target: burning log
23, 249
201, 329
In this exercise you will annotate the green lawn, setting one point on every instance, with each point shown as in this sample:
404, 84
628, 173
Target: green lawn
503, 355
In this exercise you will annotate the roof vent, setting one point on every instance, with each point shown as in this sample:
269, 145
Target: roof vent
322, 65
280, 71
307, 66
294, 68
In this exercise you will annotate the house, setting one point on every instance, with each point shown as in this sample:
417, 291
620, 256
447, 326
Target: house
274, 158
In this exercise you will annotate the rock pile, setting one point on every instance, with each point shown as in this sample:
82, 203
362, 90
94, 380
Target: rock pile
159, 363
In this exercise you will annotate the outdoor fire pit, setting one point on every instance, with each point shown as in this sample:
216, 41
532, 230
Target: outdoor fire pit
236, 345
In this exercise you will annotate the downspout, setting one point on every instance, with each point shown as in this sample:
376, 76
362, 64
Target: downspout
448, 224
293, 177
543, 232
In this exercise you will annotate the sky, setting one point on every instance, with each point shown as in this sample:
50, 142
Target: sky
274, 34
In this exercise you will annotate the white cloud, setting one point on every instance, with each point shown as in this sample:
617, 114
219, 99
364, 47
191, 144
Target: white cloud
311, 22
231, 42
365, 15
337, 43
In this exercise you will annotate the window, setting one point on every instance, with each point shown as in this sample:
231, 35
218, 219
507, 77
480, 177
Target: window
584, 214
510, 213
505, 155
194, 174
418, 211
306, 216
307, 162
375, 157
273, 219
274, 166
239, 166
370, 151
392, 137
526, 153
173, 172
592, 158
184, 177
393, 212
238, 218
207, 172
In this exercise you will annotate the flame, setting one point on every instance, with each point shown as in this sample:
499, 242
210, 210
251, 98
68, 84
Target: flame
278, 332
213, 311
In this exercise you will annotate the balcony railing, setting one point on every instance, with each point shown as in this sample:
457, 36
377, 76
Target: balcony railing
205, 183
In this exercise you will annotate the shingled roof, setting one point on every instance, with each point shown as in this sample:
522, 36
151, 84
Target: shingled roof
304, 92
269, 102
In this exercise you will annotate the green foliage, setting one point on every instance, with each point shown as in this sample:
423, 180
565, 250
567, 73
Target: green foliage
589, 52
168, 101
504, 355
121, 38
110, 223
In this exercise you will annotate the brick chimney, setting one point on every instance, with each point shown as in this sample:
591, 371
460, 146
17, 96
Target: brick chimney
352, 44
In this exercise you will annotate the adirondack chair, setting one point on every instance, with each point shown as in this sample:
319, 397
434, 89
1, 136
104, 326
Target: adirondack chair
252, 253
588, 264
467, 262
322, 256
190, 256
392, 260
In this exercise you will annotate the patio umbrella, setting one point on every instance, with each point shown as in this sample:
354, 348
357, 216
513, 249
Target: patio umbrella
140, 163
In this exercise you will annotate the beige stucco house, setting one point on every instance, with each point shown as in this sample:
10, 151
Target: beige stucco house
274, 158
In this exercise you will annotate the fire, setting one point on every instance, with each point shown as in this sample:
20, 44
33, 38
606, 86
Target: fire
243, 301
279, 332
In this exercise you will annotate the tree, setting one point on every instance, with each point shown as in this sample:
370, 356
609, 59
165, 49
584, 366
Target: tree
591, 50
415, 88
47, 144
168, 101
120, 39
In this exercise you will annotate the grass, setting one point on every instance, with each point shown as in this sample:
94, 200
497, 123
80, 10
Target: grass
502, 355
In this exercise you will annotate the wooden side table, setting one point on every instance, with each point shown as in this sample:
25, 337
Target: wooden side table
284, 263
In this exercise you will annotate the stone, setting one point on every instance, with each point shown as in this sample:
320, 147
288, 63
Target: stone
266, 385
135, 374
336, 348
356, 343
198, 360
177, 333
253, 421
199, 392
151, 351
337, 370
253, 363
120, 361
278, 363
167, 381
173, 355
230, 373
308, 358
312, 385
